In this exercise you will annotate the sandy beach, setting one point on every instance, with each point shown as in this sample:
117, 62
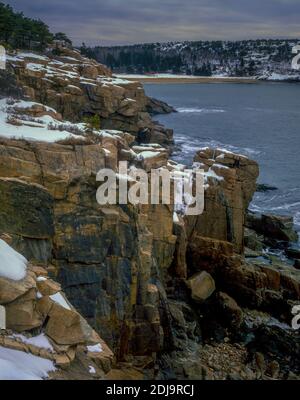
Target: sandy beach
157, 79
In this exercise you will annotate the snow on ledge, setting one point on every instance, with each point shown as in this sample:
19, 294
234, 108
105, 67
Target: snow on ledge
37, 129
17, 365
97, 348
59, 299
12, 264
40, 341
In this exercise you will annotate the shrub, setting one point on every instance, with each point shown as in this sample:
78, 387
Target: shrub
92, 122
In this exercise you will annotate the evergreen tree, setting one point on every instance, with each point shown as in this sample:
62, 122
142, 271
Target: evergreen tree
18, 31
62, 37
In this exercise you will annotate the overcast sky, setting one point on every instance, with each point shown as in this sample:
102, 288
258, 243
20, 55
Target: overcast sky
112, 22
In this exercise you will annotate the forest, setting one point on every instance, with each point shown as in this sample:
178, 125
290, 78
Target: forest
19, 31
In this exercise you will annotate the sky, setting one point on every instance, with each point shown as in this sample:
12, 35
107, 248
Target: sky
114, 22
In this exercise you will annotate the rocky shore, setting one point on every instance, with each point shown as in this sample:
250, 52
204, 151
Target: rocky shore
150, 292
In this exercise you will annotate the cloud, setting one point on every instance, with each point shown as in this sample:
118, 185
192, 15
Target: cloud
108, 22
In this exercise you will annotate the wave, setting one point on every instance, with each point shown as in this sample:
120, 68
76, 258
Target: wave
200, 110
195, 144
297, 219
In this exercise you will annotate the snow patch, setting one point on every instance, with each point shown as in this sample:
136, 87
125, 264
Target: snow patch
200, 110
16, 365
92, 369
39, 341
97, 348
12, 264
148, 154
59, 299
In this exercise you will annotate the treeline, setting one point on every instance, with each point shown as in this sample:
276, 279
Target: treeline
206, 58
141, 61
18, 31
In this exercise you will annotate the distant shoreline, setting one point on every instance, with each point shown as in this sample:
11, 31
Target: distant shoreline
187, 79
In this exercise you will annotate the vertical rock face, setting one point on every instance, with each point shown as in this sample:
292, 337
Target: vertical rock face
109, 260
139, 276
226, 202
9, 85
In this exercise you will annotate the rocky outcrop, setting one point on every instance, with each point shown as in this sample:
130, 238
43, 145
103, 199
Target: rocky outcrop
141, 278
227, 201
78, 87
159, 286
155, 107
274, 228
38, 319
92, 249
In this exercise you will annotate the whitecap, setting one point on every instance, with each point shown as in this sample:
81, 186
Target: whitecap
200, 110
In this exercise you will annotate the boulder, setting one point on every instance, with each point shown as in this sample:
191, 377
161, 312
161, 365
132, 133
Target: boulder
153, 159
66, 326
155, 107
11, 290
280, 228
202, 286
47, 287
22, 314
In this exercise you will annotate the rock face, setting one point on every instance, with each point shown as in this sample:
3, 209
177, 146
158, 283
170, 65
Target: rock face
225, 203
92, 249
125, 268
78, 87
155, 284
9, 85
52, 318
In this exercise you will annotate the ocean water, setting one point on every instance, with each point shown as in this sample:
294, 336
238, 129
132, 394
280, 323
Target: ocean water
260, 120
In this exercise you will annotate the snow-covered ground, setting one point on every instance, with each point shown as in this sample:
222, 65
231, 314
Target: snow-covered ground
15, 125
19, 127
166, 76
17, 365
40, 340
12, 264
282, 77
175, 76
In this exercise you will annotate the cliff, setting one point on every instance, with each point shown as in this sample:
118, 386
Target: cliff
78, 87
172, 295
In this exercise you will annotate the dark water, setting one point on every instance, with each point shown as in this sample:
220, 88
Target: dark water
261, 121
